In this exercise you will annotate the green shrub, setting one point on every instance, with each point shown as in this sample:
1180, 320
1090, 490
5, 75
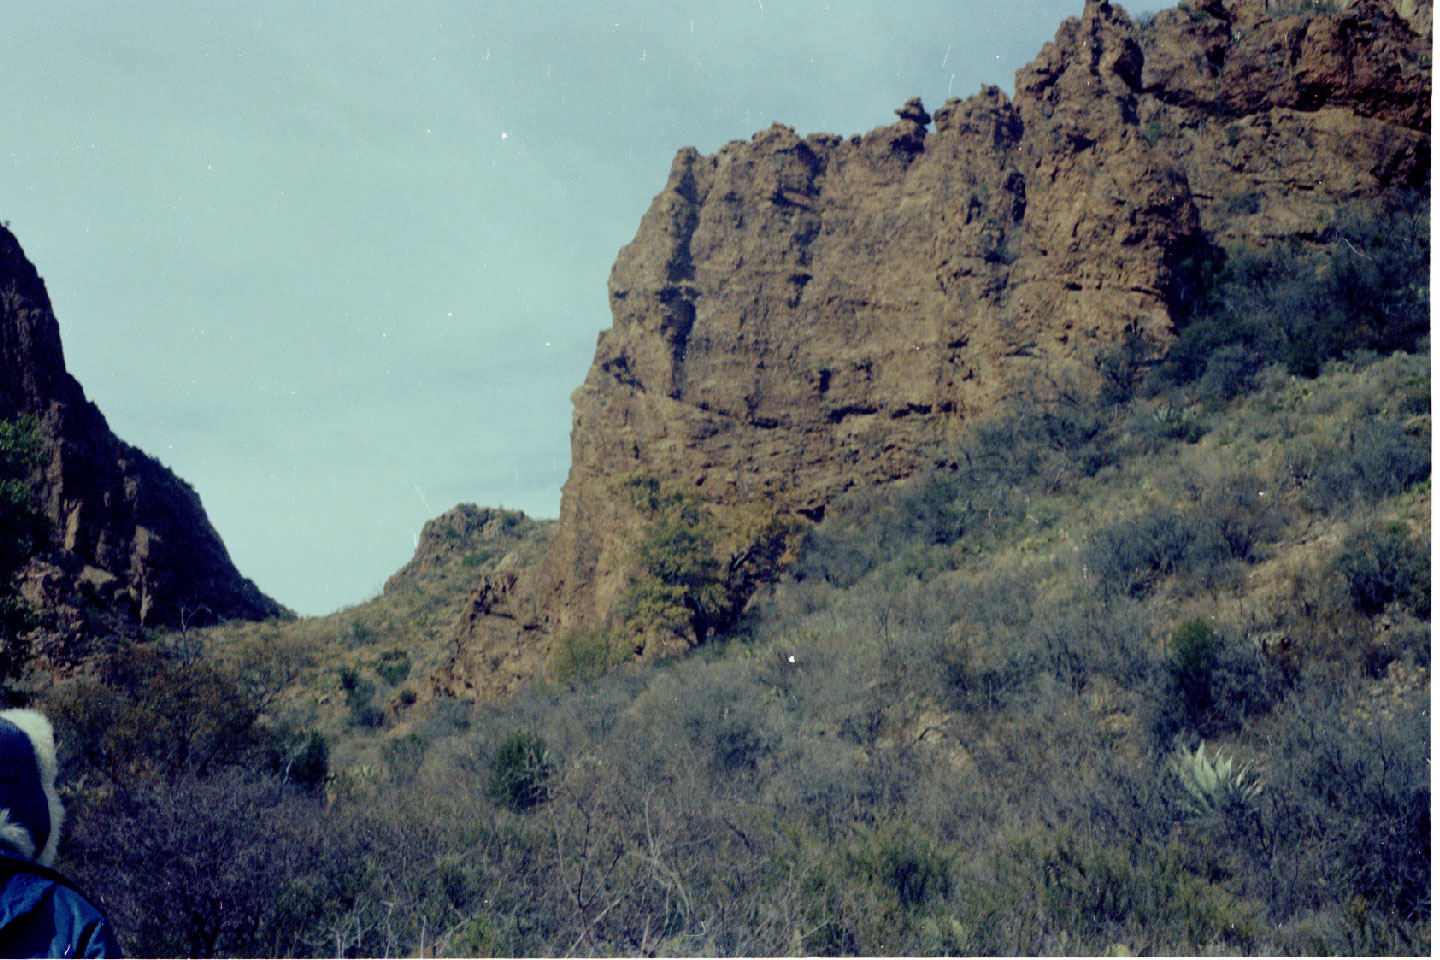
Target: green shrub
981, 487
1066, 889
1244, 204
477, 559
1194, 648
870, 889
1129, 558
478, 938
737, 742
698, 570
393, 666
902, 860
403, 757
1411, 639
582, 655
1373, 458
520, 773
234, 864
1365, 289
445, 718
1211, 686
1383, 564
20, 523
366, 716
359, 696
310, 767
145, 716
1077, 644
1353, 803
1242, 514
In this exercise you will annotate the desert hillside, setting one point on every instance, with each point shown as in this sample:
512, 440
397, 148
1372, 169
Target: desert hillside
1003, 532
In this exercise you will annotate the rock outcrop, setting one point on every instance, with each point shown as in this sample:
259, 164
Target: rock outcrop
468, 560
799, 315
471, 537
128, 534
1278, 122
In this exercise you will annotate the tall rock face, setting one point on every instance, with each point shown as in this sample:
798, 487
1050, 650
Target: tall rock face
798, 316
128, 532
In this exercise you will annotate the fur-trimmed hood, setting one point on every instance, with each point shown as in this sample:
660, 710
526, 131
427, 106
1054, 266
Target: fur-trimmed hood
30, 810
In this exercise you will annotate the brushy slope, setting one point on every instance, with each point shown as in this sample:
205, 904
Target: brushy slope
1142, 673
355, 675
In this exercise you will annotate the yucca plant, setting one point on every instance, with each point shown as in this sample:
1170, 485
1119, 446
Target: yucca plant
1214, 785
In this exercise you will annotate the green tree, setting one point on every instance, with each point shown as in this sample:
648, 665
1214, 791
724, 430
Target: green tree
699, 569
22, 530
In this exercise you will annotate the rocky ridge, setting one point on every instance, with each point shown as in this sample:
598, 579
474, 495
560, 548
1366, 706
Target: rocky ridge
129, 535
800, 315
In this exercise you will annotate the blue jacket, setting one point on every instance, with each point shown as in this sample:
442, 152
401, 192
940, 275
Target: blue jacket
42, 915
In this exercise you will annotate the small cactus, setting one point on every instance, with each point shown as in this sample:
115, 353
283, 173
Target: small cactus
1213, 784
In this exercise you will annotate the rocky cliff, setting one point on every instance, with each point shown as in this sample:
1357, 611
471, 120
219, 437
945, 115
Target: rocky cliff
128, 534
799, 315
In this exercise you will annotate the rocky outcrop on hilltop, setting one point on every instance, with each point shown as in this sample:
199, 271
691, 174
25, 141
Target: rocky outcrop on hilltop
467, 559
800, 315
129, 535
467, 537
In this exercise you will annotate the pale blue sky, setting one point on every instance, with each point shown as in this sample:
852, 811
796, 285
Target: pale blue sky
340, 265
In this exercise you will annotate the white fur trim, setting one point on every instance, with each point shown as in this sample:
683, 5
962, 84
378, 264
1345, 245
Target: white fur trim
16, 835
42, 738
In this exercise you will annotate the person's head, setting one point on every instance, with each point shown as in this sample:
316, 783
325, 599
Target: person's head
30, 810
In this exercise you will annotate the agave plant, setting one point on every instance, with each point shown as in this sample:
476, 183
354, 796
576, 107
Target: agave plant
1214, 784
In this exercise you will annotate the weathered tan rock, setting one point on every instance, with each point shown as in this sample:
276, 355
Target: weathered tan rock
798, 316
1279, 122
129, 533
502, 637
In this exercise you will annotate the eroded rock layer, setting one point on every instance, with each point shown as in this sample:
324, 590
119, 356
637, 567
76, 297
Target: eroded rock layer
799, 315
